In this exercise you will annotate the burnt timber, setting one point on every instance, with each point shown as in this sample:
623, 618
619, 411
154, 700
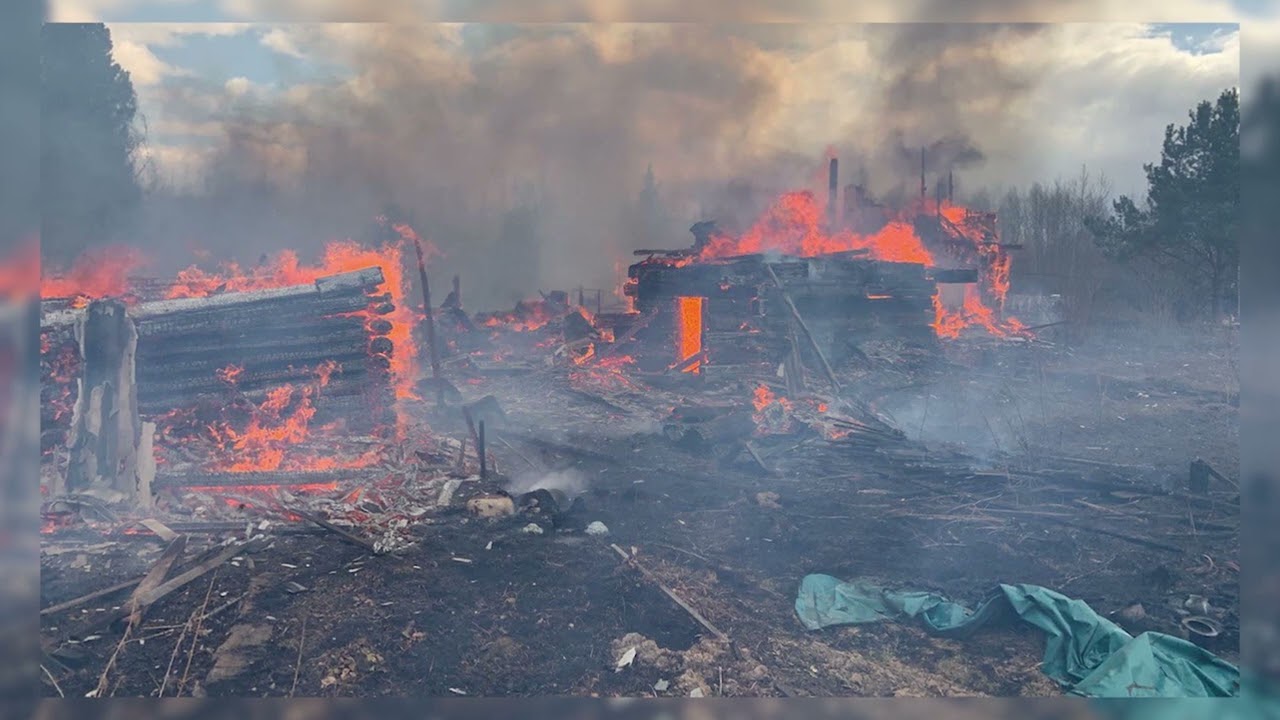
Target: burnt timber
845, 298
267, 338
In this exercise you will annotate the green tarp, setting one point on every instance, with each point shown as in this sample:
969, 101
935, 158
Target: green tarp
1089, 654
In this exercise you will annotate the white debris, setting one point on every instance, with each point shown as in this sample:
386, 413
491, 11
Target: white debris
661, 686
627, 658
598, 529
446, 492
697, 692
532, 529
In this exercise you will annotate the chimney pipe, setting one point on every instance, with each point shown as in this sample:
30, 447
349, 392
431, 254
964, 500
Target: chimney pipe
922, 175
951, 187
832, 191
937, 191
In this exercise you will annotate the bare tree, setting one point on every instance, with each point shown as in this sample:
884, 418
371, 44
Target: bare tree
1060, 255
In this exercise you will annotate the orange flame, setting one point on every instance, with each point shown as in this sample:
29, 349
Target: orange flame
689, 330
339, 257
94, 274
762, 399
230, 374
795, 225
585, 356
528, 316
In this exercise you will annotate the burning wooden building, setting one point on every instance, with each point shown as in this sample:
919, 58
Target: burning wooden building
236, 374
798, 286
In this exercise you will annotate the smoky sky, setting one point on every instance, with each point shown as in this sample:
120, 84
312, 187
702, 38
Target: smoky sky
458, 125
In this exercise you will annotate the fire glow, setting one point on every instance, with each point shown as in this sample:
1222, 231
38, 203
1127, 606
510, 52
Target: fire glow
689, 330
796, 225
528, 316
339, 257
276, 429
95, 274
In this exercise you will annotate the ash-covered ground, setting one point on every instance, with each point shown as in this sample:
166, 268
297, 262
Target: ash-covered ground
1027, 463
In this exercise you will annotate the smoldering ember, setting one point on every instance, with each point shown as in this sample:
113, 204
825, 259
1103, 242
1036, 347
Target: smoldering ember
826, 453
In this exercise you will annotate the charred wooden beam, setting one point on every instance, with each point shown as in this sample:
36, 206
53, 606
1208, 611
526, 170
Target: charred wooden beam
262, 479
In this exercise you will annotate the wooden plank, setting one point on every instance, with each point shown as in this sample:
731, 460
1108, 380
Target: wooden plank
353, 539
154, 577
631, 560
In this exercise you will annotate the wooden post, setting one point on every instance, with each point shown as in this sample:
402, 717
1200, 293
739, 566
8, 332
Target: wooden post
431, 325
105, 430
484, 463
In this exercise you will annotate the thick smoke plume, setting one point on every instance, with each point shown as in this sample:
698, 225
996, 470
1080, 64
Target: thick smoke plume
521, 150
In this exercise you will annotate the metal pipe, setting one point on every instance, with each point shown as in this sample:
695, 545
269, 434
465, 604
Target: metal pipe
833, 188
484, 463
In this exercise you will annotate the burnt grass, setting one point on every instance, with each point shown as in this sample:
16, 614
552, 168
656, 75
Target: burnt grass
479, 608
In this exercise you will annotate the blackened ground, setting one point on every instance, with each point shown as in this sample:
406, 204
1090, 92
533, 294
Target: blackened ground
479, 607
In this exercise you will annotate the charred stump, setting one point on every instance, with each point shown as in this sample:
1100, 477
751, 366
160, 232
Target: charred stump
106, 431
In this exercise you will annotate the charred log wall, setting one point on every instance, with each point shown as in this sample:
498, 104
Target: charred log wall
845, 298
241, 345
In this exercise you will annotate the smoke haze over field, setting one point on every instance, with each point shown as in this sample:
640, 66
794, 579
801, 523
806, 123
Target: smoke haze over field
460, 125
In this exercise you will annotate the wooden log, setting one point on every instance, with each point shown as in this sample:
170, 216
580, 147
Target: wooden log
351, 283
345, 535
263, 337
302, 359
249, 479
356, 280
284, 311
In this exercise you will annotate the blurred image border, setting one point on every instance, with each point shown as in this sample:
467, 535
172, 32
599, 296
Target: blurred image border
1260, 460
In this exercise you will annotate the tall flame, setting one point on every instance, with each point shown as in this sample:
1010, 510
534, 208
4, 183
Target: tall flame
339, 257
689, 330
94, 274
794, 225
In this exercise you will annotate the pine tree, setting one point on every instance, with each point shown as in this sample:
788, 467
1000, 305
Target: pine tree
88, 184
1189, 220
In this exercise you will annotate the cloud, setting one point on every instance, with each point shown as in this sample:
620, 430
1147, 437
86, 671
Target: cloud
281, 40
143, 66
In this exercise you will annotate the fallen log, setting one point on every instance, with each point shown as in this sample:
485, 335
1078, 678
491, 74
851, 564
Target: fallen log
349, 537
248, 479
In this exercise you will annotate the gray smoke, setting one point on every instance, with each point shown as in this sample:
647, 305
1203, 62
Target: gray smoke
520, 150
570, 482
